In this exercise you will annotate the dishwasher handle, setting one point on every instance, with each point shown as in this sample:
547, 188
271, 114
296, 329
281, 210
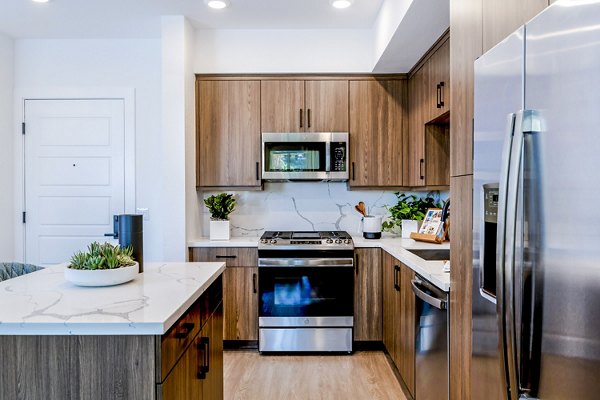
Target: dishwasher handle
436, 302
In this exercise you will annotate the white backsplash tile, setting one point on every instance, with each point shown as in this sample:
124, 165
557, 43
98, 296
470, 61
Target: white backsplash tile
302, 206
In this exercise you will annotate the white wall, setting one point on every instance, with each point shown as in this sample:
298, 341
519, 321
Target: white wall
127, 63
7, 210
281, 51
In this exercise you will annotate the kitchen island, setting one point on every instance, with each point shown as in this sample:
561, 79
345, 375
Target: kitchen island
156, 337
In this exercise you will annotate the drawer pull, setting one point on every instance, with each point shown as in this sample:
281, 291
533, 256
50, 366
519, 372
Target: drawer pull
225, 256
203, 362
254, 283
186, 329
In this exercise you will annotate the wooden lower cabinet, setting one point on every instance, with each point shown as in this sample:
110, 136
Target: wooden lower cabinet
367, 295
399, 318
198, 374
240, 288
240, 303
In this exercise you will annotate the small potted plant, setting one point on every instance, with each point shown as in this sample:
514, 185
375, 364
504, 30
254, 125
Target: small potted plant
220, 206
409, 211
102, 265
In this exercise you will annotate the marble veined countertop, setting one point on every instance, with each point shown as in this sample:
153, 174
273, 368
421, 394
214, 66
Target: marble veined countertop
43, 303
397, 247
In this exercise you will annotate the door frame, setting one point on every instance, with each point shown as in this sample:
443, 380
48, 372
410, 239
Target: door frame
21, 95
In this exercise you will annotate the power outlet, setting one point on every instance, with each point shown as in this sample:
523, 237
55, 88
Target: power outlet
145, 212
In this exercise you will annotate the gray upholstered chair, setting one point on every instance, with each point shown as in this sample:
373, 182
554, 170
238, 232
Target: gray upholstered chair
14, 269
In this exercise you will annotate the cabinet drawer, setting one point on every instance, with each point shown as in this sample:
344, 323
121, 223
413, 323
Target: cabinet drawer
176, 340
232, 256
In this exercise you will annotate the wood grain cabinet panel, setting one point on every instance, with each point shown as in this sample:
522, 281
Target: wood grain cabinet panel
228, 134
390, 304
405, 341
240, 280
368, 313
282, 106
419, 111
326, 106
439, 80
378, 124
240, 303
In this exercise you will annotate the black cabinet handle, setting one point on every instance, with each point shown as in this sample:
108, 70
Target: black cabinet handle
254, 290
356, 263
352, 170
225, 256
203, 366
396, 280
441, 95
421, 165
308, 117
257, 171
301, 122
438, 93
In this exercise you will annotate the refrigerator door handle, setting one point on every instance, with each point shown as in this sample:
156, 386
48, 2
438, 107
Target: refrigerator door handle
530, 269
507, 214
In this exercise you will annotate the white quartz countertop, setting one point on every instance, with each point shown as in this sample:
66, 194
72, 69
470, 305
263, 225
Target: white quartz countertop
43, 303
397, 247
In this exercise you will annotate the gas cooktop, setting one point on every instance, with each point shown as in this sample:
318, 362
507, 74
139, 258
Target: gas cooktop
306, 240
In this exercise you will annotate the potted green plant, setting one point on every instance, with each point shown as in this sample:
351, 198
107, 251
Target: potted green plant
102, 265
409, 211
220, 206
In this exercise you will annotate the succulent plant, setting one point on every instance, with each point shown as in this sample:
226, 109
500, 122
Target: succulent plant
102, 256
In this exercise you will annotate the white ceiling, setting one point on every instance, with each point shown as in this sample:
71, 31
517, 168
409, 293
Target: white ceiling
141, 18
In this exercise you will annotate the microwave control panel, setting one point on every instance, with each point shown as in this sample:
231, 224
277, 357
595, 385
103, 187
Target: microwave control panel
338, 157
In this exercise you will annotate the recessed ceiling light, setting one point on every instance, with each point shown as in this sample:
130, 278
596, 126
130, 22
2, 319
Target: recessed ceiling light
40, 1
218, 4
341, 3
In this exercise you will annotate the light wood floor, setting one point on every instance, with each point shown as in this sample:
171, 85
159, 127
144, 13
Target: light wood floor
361, 376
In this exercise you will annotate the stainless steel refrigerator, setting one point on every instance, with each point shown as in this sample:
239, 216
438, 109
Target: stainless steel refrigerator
536, 219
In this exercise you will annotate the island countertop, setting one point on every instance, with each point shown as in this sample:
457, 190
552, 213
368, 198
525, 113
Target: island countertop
43, 303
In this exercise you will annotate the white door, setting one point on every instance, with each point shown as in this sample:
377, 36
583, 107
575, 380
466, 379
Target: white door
74, 175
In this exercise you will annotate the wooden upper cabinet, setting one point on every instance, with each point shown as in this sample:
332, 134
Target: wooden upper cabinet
439, 78
304, 106
419, 110
228, 134
326, 106
282, 106
377, 125
503, 17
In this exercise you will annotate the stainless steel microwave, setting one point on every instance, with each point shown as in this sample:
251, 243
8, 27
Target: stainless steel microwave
305, 156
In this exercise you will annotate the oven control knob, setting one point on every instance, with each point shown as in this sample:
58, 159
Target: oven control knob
264, 241
329, 241
306, 321
273, 241
347, 241
338, 241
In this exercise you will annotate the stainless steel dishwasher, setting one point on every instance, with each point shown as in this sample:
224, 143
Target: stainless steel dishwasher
431, 337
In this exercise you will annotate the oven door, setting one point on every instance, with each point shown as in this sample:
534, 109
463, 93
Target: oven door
306, 292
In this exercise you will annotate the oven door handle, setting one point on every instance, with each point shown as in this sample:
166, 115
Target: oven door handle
306, 262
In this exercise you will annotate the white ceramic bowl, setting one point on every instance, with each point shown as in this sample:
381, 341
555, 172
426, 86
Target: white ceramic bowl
101, 277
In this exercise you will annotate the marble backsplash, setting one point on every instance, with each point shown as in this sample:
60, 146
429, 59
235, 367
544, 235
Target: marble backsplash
310, 206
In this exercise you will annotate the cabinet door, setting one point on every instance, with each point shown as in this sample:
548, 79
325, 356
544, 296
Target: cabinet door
439, 67
212, 343
377, 130
406, 334
240, 303
228, 134
326, 106
390, 323
419, 112
182, 382
368, 299
282, 106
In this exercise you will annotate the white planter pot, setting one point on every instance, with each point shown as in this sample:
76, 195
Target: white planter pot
409, 226
219, 230
101, 277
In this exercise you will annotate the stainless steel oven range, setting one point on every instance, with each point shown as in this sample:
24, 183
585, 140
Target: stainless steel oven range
306, 292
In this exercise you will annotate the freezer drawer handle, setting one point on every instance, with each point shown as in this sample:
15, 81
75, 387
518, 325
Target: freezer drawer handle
434, 301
